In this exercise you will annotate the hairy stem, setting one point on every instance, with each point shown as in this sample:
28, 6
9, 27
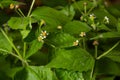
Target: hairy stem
78, 7
24, 50
31, 7
84, 47
18, 57
96, 47
105, 53
21, 12
18, 53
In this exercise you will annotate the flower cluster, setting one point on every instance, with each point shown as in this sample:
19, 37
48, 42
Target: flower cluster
59, 27
106, 20
42, 36
93, 22
92, 17
76, 43
12, 6
82, 34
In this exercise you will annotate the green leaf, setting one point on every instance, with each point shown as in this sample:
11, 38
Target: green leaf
1, 6
61, 40
108, 78
31, 36
25, 33
4, 64
107, 35
79, 5
101, 13
5, 45
34, 73
12, 71
68, 75
54, 3
114, 11
107, 66
36, 45
118, 25
52, 18
3, 17
103, 27
3, 76
114, 54
76, 27
18, 22
68, 11
74, 59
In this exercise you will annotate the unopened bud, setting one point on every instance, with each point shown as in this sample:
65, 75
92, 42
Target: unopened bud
85, 3
76, 43
82, 34
42, 22
59, 27
12, 6
95, 43
17, 6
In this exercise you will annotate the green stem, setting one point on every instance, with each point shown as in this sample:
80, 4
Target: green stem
30, 23
31, 7
18, 13
11, 43
21, 12
13, 54
95, 2
94, 5
84, 47
85, 9
92, 74
105, 53
78, 7
24, 50
96, 47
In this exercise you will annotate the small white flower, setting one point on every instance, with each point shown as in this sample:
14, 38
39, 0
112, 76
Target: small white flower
12, 6
59, 27
106, 19
18, 46
17, 6
92, 17
101, 36
42, 36
82, 34
76, 43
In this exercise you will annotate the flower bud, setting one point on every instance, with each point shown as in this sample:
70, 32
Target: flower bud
12, 6
95, 43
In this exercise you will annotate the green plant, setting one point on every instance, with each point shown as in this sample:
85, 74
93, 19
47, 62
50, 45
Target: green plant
63, 40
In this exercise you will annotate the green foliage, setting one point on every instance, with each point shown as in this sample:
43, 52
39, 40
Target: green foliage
5, 45
69, 75
76, 27
107, 35
59, 40
33, 72
18, 23
35, 46
50, 16
73, 60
